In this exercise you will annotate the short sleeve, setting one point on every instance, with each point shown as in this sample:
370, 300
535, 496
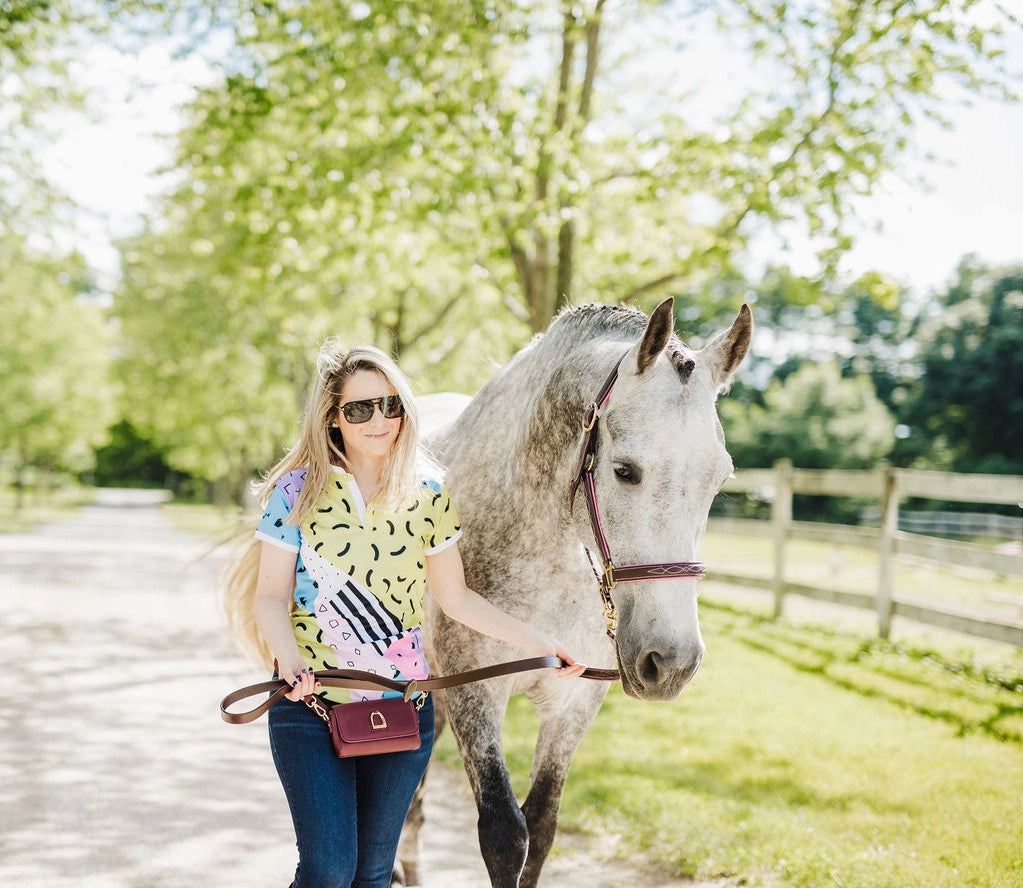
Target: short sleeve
273, 526
443, 527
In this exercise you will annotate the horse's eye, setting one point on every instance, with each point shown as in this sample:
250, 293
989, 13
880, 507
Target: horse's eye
627, 473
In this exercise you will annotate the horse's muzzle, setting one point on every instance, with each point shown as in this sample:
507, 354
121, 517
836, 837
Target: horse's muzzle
660, 674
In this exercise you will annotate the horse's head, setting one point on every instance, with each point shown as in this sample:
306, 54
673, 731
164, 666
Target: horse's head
660, 459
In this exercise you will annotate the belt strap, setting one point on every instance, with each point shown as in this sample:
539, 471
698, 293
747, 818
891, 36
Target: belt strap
367, 681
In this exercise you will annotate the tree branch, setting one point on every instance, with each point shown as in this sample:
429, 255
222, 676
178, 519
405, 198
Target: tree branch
507, 299
655, 284
438, 319
590, 74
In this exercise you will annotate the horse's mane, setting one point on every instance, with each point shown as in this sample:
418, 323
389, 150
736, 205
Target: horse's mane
598, 321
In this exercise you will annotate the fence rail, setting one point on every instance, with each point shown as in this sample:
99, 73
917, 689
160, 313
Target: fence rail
888, 486
965, 524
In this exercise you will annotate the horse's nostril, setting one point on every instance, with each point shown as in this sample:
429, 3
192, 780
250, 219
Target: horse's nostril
651, 667
655, 667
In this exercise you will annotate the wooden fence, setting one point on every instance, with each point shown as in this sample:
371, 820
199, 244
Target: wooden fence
887, 486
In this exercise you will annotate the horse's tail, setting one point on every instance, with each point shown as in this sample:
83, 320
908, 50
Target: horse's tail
239, 585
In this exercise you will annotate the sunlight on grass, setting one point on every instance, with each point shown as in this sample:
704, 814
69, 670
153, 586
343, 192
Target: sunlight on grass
810, 757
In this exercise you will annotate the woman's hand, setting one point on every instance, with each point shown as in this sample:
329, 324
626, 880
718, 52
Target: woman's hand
300, 677
571, 669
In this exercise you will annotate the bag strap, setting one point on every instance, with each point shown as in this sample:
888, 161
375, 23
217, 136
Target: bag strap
367, 681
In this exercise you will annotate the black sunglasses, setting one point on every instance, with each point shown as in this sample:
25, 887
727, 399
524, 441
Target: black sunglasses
362, 411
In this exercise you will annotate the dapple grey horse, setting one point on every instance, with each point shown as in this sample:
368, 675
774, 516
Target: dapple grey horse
658, 459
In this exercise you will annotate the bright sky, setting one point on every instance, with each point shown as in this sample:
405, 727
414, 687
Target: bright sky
974, 202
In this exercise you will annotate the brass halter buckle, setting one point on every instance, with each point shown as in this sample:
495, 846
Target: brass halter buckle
607, 579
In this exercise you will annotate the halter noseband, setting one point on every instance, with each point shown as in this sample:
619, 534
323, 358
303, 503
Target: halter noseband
612, 575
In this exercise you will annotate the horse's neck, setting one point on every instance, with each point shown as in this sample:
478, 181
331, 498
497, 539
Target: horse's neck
521, 433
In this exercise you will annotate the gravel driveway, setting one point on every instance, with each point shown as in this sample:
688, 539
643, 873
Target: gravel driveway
116, 770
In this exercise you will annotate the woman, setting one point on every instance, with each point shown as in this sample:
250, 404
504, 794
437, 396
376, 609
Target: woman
352, 531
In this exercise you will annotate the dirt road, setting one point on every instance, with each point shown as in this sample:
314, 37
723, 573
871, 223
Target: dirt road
116, 770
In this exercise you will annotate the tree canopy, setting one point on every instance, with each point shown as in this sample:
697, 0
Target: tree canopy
966, 407
816, 418
54, 364
440, 177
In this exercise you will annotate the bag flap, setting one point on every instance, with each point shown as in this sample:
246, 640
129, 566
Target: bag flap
374, 719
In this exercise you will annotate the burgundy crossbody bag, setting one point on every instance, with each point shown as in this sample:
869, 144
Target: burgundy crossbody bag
370, 727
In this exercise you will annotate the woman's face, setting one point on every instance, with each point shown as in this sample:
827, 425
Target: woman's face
374, 438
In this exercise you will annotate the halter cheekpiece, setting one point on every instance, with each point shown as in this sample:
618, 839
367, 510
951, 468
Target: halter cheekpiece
612, 575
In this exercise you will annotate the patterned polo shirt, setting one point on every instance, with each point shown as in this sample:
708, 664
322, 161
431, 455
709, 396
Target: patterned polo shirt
360, 575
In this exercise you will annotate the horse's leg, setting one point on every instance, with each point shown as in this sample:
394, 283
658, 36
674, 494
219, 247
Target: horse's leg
476, 714
410, 847
564, 720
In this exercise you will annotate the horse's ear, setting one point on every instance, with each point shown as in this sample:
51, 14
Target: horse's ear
725, 352
658, 330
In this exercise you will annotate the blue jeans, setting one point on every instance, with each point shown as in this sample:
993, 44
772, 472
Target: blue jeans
348, 813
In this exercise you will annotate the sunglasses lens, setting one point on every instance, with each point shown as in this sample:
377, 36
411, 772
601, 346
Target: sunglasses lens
392, 407
358, 411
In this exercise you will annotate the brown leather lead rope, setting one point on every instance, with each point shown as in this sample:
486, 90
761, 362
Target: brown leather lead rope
366, 681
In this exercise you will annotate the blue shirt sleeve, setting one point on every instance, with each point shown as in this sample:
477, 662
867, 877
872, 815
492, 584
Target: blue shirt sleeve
273, 526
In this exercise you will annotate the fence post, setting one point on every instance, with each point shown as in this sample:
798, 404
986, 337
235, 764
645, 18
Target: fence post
781, 520
886, 548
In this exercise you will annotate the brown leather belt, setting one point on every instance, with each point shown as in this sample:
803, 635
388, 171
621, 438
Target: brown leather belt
366, 681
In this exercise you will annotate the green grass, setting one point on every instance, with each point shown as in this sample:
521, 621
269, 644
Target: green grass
808, 757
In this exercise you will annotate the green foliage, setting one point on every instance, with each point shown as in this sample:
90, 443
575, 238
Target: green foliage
129, 460
968, 402
816, 418
22, 510
35, 81
439, 178
54, 359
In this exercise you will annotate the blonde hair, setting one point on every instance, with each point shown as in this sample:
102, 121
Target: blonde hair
239, 579
318, 448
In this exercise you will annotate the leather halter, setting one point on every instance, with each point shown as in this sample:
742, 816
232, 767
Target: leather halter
612, 575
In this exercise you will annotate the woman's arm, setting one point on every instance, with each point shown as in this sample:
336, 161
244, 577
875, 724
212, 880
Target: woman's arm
272, 610
447, 582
